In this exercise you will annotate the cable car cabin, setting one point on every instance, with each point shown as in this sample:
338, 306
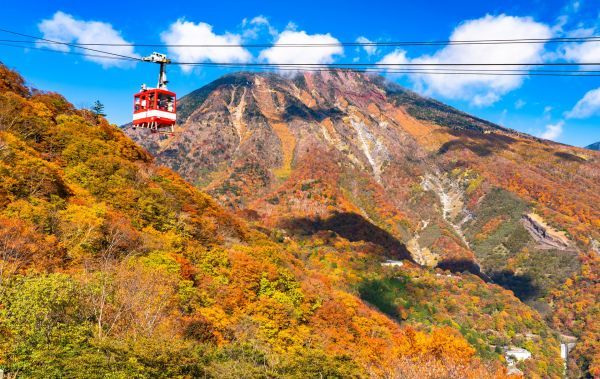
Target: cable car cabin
154, 108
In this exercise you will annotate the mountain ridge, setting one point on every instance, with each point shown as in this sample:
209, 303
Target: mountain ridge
347, 152
194, 99
593, 146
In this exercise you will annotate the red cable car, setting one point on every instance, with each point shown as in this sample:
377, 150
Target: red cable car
155, 108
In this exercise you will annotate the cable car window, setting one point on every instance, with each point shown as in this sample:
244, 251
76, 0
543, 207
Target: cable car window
137, 103
165, 102
162, 102
151, 99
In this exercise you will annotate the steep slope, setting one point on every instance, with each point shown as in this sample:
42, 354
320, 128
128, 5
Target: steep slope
371, 161
594, 146
113, 266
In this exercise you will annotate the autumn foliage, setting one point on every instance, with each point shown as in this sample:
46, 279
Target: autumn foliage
111, 266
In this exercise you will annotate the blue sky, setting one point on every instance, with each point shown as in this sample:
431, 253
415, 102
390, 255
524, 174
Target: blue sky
560, 108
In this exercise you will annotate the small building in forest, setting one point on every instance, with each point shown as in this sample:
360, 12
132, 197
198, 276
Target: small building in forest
516, 354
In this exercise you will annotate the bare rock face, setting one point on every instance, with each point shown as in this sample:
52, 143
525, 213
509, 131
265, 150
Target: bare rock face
246, 133
310, 146
365, 158
545, 235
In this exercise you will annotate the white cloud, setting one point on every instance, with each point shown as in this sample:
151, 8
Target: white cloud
502, 118
573, 6
63, 27
254, 27
397, 56
259, 20
581, 31
547, 109
587, 52
520, 104
369, 49
480, 90
288, 55
568, 10
183, 32
553, 131
588, 106
291, 25
484, 99
560, 22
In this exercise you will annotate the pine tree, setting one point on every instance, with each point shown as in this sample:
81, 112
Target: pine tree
98, 109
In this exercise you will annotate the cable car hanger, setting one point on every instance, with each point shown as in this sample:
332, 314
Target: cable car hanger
162, 60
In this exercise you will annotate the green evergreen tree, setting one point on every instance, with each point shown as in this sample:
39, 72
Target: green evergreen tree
98, 109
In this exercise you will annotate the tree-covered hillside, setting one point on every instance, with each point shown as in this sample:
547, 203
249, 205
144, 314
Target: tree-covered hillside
111, 266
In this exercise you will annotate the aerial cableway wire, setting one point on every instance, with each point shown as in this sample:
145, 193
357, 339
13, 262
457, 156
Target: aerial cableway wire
441, 71
349, 44
564, 73
68, 52
380, 64
392, 70
71, 45
293, 67
398, 68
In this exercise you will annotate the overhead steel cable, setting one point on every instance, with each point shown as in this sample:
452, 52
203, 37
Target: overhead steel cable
381, 64
404, 68
392, 70
423, 71
70, 45
427, 72
66, 52
349, 44
333, 65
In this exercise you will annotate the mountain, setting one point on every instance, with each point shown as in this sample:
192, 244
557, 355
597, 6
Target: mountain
594, 146
111, 265
363, 158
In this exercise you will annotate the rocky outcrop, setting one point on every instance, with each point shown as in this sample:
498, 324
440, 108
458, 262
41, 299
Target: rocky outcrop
422, 255
546, 236
451, 195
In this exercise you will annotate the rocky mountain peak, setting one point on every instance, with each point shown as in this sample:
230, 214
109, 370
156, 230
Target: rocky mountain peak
352, 153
